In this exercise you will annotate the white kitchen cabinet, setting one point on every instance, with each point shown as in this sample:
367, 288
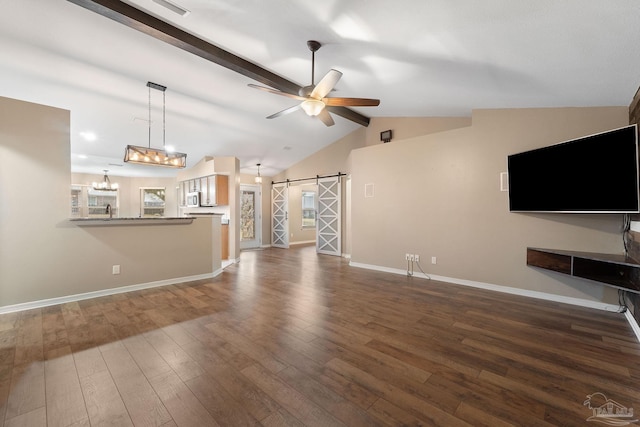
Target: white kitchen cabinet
213, 190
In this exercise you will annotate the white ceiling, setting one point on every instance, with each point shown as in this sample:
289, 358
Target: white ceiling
419, 57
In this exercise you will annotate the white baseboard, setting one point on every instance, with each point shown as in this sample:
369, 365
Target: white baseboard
346, 256
633, 323
498, 288
104, 292
227, 262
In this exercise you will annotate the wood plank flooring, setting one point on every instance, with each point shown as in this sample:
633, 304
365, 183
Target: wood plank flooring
287, 337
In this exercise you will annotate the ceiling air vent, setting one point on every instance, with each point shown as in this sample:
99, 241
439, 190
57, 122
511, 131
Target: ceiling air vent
172, 7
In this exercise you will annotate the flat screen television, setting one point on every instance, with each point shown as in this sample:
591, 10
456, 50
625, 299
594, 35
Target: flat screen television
592, 174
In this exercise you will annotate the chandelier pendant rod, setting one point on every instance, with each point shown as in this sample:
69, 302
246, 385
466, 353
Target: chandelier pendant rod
149, 122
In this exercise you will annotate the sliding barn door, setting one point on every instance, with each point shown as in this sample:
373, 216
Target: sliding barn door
328, 231
280, 216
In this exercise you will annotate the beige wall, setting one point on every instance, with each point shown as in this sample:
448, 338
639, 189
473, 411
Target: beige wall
404, 128
337, 156
438, 195
329, 160
42, 254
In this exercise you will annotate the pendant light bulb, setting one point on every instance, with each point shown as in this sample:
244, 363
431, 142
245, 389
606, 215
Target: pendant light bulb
258, 178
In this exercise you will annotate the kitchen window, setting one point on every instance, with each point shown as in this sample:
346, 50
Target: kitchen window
152, 202
87, 202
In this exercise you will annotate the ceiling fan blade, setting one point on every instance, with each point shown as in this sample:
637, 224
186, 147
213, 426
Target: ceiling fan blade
326, 118
326, 84
351, 102
286, 111
277, 92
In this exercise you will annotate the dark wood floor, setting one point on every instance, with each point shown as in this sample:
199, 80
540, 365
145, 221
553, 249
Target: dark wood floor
287, 337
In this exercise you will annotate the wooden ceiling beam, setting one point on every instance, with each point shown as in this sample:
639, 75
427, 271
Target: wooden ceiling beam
350, 114
139, 20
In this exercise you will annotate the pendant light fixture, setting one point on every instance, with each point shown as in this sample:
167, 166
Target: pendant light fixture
155, 156
105, 184
258, 178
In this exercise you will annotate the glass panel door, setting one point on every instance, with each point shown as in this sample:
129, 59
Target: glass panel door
250, 217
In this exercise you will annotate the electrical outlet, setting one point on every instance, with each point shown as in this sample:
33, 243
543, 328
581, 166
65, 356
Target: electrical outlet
417, 257
406, 257
412, 257
434, 260
116, 269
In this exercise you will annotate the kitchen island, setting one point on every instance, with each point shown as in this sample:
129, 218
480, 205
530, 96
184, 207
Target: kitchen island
116, 255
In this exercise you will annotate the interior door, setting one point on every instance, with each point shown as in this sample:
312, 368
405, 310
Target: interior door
250, 217
328, 221
280, 215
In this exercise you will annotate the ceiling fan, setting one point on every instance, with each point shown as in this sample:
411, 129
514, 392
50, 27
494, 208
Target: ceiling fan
314, 100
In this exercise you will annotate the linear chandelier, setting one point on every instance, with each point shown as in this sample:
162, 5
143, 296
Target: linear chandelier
155, 156
105, 184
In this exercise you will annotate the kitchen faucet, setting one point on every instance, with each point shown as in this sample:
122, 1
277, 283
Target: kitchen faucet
109, 210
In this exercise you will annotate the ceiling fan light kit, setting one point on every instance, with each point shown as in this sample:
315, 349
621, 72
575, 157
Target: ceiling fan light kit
313, 97
155, 156
312, 107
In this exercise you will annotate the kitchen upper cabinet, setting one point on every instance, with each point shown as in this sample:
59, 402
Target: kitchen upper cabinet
214, 190
205, 193
183, 189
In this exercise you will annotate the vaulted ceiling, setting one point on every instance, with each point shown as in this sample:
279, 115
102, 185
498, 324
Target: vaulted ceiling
420, 58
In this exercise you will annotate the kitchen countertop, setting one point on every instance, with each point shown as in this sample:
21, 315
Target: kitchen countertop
132, 221
223, 221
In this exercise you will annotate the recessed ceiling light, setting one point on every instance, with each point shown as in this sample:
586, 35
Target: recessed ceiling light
82, 156
169, 148
89, 136
172, 7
